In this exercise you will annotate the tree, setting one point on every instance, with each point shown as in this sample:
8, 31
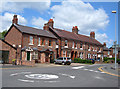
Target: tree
2, 34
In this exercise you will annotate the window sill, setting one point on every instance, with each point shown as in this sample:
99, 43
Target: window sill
30, 44
65, 46
50, 46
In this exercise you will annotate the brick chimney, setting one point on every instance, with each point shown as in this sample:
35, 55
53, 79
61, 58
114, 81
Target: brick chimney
104, 44
92, 34
75, 29
46, 27
15, 19
50, 23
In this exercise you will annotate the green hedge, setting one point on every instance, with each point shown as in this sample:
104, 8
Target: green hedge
78, 60
108, 59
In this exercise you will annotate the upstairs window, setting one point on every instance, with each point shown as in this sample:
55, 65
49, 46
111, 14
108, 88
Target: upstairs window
39, 41
66, 43
50, 42
64, 53
42, 42
31, 40
88, 46
81, 45
75, 44
56, 42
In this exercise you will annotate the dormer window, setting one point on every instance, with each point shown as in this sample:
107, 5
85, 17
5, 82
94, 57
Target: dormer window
66, 43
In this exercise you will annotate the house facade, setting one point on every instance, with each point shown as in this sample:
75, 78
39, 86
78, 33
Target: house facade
42, 46
74, 45
31, 43
7, 51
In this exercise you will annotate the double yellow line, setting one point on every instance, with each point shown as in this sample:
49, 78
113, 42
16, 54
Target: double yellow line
100, 68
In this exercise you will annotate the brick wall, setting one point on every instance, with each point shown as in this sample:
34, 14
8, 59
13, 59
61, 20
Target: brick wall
6, 47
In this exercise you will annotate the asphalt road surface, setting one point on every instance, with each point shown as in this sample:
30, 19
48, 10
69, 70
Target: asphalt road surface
58, 76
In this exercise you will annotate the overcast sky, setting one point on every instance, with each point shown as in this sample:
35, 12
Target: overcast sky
92, 16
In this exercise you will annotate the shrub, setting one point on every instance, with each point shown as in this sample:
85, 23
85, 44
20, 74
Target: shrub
78, 60
108, 59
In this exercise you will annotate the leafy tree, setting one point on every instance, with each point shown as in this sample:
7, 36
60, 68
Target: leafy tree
2, 34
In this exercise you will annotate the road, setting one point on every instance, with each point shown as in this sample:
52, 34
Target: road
58, 76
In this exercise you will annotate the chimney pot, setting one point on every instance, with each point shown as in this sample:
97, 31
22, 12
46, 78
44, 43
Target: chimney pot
92, 34
50, 23
75, 29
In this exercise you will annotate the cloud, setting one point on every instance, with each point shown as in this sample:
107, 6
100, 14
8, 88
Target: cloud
6, 21
17, 7
104, 38
38, 22
69, 14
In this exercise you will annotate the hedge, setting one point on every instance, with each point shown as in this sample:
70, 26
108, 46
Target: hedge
78, 60
108, 59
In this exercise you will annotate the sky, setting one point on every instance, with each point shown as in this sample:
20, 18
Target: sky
88, 16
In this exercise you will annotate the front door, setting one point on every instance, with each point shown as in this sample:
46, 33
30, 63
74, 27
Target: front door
47, 57
28, 55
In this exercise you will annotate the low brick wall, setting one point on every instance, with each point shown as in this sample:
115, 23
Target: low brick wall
28, 63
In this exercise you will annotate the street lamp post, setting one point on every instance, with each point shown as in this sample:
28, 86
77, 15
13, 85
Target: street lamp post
115, 38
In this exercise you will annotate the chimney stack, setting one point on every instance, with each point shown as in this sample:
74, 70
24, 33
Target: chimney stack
46, 27
15, 19
75, 29
50, 23
92, 34
104, 44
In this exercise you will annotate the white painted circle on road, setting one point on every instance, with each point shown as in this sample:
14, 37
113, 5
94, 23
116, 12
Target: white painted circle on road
41, 76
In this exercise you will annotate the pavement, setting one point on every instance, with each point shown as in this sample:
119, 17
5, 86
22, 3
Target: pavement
111, 70
58, 76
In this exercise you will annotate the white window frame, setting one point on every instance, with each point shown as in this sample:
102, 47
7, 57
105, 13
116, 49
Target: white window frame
31, 42
39, 41
73, 45
64, 53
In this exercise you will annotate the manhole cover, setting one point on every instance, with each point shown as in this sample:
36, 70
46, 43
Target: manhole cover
41, 76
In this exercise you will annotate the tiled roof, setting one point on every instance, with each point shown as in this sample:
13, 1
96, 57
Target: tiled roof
106, 49
73, 36
34, 31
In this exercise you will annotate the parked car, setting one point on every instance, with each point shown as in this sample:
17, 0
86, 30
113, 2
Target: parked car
63, 60
118, 62
1, 61
93, 61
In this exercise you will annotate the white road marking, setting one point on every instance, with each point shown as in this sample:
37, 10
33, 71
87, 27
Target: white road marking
78, 67
41, 76
67, 75
98, 77
26, 80
20, 73
85, 69
51, 81
102, 72
96, 71
91, 70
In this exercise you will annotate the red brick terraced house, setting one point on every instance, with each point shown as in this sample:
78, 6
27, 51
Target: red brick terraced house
32, 44
107, 51
40, 46
74, 45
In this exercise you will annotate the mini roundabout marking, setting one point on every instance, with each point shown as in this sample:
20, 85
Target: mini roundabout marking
46, 78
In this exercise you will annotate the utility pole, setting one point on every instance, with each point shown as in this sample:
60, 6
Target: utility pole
115, 43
